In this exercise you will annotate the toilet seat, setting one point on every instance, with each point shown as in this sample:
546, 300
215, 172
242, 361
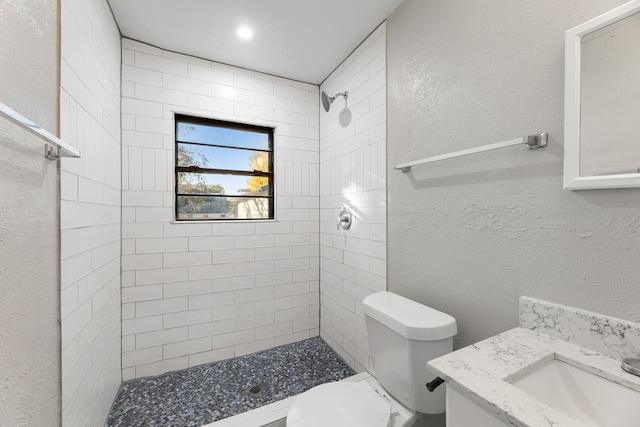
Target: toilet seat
340, 404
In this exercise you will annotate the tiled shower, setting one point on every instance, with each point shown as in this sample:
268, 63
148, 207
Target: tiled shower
353, 175
195, 293
90, 211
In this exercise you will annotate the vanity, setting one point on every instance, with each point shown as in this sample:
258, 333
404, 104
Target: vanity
560, 368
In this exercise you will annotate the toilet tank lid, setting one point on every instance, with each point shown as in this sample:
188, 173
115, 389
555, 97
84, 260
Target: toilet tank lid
410, 319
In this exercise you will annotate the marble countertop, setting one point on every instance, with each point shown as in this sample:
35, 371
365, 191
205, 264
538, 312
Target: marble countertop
482, 372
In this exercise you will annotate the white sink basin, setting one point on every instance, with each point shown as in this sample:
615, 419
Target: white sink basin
582, 395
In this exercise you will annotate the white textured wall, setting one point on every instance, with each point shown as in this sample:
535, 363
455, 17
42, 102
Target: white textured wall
195, 293
29, 60
90, 212
29, 260
469, 236
352, 174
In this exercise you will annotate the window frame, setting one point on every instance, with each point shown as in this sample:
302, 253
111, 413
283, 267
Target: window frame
202, 121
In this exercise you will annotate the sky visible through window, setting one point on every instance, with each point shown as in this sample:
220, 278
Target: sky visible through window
224, 158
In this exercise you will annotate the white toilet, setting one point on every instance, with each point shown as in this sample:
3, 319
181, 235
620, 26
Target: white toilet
403, 336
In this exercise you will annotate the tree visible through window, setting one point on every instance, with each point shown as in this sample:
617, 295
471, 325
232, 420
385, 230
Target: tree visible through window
223, 170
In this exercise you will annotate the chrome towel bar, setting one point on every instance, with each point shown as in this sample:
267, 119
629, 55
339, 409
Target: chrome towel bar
54, 147
531, 141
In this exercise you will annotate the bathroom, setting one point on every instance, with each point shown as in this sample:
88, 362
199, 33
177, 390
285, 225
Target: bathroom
91, 242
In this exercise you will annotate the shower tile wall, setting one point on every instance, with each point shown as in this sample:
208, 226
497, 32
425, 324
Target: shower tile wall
352, 171
90, 211
195, 293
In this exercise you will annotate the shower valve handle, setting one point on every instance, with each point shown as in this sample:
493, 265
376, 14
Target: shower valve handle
344, 219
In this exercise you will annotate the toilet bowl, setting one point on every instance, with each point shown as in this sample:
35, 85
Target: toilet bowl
362, 403
403, 336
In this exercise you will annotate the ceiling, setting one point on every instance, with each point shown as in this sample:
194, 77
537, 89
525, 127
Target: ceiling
302, 40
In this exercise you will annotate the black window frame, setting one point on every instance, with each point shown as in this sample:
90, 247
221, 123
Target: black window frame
182, 118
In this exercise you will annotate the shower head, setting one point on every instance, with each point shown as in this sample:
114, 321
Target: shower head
328, 100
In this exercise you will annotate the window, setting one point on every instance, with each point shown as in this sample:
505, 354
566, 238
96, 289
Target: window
224, 170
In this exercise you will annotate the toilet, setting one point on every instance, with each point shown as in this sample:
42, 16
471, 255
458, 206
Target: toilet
403, 336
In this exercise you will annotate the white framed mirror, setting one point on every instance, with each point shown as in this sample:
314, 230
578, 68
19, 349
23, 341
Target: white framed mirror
602, 101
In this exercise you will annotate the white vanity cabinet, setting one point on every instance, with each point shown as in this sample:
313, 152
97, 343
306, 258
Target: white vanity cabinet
462, 412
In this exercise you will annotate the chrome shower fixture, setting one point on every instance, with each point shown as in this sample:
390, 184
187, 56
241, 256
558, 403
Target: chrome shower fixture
328, 100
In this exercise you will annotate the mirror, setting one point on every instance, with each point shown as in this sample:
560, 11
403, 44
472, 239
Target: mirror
602, 101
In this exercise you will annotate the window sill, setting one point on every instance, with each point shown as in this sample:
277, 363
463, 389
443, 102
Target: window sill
224, 221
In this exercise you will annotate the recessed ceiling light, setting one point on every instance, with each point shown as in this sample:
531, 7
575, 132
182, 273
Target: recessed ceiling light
245, 33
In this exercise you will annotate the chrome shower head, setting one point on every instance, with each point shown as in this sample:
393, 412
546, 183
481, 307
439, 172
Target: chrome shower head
328, 100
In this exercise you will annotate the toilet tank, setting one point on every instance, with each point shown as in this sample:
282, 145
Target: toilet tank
403, 336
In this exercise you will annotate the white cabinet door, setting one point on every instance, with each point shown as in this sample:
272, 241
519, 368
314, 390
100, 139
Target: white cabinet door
462, 412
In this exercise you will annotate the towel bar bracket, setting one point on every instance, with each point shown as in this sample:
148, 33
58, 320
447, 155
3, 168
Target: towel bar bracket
51, 152
537, 141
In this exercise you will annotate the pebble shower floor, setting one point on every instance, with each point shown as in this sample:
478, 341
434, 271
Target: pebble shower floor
207, 393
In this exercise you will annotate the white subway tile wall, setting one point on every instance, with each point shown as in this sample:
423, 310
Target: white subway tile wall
90, 212
353, 174
195, 293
